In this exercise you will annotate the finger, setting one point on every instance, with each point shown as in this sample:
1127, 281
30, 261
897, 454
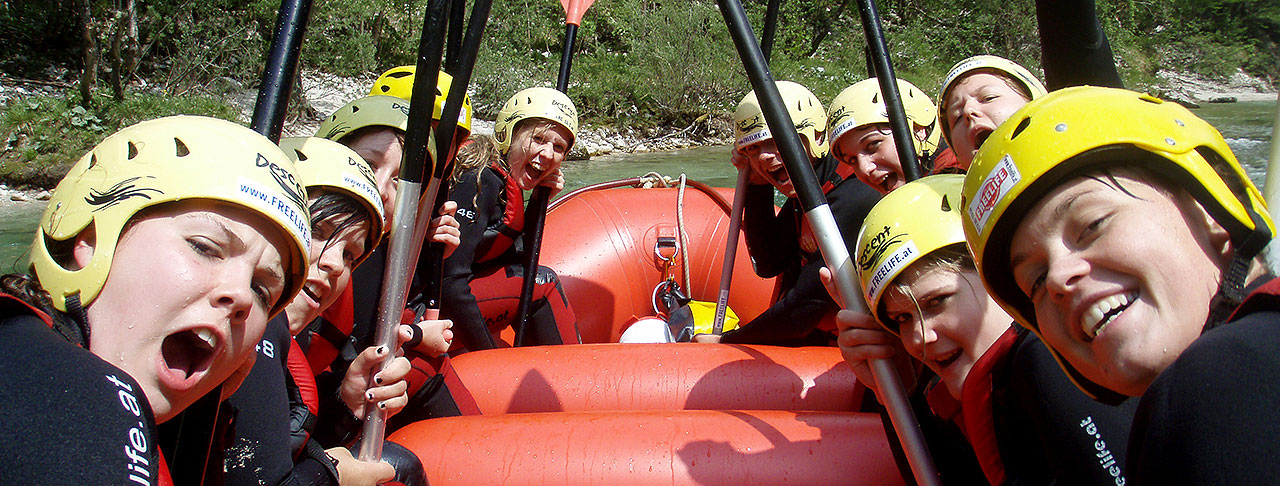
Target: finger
395, 371
380, 394
448, 209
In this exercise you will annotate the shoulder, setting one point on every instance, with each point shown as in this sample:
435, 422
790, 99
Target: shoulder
48, 409
1219, 395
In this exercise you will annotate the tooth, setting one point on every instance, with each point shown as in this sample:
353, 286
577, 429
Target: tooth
208, 337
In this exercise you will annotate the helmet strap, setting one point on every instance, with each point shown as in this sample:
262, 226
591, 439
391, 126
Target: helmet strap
76, 328
1231, 293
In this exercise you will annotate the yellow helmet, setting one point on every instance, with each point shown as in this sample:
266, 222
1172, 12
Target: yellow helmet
985, 63
370, 111
546, 103
861, 104
804, 108
160, 161
325, 164
384, 111
1075, 130
907, 224
398, 82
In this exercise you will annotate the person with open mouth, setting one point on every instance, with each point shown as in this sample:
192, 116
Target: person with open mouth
780, 242
862, 140
275, 418
1121, 229
482, 279
158, 262
977, 95
998, 383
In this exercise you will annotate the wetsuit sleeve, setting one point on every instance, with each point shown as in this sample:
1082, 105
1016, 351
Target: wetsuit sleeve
1049, 430
771, 237
69, 417
474, 213
792, 317
1073, 48
1211, 417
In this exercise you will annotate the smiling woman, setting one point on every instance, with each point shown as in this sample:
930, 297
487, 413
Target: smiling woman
220, 204
534, 131
1127, 246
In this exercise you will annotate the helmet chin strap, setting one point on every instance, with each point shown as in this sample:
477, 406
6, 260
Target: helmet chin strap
76, 328
1231, 293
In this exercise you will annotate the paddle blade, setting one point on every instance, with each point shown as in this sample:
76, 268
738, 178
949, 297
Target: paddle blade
573, 10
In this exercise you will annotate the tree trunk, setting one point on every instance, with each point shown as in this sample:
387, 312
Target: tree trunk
117, 59
89, 50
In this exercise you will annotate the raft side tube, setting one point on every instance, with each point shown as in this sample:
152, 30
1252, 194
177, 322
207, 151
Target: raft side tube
668, 376
707, 448
601, 243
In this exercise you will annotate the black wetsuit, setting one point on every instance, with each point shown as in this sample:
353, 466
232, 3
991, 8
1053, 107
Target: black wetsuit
1213, 416
1047, 430
71, 418
482, 277
261, 451
774, 242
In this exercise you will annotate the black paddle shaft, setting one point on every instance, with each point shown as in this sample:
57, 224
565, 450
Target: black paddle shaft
431, 268
902, 133
536, 213
770, 28
193, 435
281, 68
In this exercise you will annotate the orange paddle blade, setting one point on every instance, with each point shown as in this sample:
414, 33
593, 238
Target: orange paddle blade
573, 10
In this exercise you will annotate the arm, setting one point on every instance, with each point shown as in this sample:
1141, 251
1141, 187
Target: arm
793, 316
1073, 48
771, 237
473, 216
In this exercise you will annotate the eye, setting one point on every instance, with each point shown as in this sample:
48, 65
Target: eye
204, 246
1035, 289
1092, 230
937, 302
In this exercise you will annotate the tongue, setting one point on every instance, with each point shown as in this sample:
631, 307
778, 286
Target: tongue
182, 352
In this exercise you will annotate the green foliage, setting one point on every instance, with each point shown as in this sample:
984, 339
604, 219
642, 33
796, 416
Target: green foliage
43, 136
639, 63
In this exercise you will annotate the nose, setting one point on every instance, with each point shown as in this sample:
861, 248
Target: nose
234, 293
1064, 272
865, 163
921, 334
331, 259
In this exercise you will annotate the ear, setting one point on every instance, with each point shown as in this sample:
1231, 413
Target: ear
82, 249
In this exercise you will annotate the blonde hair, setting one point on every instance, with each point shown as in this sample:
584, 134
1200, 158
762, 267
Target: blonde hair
953, 258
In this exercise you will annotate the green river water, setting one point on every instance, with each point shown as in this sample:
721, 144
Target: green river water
1246, 126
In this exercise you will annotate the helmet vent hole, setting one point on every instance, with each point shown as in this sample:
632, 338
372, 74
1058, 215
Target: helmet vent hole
946, 204
93, 160
301, 156
875, 98
399, 74
354, 109
133, 150
1022, 125
180, 148
385, 88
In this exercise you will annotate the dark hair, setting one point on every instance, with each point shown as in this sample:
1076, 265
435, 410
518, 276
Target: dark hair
27, 289
345, 211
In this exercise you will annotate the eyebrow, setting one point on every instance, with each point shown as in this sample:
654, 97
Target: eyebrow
1058, 213
235, 241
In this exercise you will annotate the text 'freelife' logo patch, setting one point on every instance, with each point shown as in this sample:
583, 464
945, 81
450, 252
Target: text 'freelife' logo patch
998, 182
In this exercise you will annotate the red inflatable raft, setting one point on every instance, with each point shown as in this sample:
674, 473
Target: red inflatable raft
662, 414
